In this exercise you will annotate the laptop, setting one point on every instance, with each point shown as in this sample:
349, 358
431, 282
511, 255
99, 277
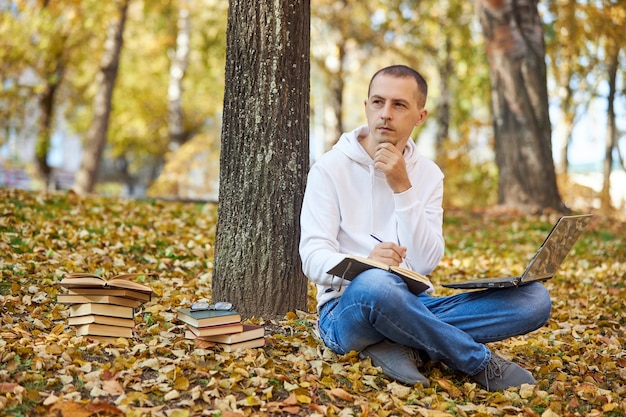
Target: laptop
546, 261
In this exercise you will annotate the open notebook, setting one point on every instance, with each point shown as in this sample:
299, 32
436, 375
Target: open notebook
546, 261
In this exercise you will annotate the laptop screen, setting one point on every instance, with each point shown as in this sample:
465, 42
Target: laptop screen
556, 247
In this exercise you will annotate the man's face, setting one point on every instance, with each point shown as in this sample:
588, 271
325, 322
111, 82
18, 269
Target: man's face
392, 109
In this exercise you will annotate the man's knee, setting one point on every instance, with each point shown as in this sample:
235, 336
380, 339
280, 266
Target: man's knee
378, 282
538, 301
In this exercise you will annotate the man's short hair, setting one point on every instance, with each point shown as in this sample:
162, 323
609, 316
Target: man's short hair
403, 71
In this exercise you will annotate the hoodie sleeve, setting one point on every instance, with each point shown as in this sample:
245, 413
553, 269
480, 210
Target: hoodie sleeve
319, 222
419, 216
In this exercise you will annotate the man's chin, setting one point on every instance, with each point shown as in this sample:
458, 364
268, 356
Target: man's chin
385, 138
381, 134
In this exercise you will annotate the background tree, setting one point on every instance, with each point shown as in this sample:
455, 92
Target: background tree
344, 40
351, 40
452, 57
329, 59
105, 82
53, 60
515, 49
42, 39
140, 120
264, 157
611, 128
610, 18
571, 62
179, 57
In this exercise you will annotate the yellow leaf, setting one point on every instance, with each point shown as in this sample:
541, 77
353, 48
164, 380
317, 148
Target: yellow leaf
181, 383
252, 400
134, 397
609, 407
549, 413
450, 388
58, 329
433, 413
303, 399
179, 413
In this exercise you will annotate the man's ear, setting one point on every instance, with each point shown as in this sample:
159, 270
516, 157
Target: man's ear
422, 117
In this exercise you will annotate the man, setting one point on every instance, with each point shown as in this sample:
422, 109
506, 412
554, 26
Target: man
374, 195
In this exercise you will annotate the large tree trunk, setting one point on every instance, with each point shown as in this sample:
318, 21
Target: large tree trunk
264, 158
516, 52
105, 81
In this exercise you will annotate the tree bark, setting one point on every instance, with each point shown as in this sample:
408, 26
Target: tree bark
264, 158
516, 52
105, 81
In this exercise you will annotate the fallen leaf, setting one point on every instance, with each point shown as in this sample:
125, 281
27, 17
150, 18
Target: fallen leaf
341, 393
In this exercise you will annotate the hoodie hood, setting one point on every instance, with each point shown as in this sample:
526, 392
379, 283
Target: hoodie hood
350, 145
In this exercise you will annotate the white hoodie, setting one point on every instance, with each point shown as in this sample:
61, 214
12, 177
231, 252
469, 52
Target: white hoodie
347, 199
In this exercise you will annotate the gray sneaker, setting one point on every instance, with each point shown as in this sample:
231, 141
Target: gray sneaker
397, 361
500, 374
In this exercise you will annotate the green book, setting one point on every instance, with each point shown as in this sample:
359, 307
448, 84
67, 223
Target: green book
205, 318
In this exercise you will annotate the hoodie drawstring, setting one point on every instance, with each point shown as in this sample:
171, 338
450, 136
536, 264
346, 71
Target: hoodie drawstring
372, 179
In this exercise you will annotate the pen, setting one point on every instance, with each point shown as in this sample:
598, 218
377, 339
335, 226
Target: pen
376, 237
381, 241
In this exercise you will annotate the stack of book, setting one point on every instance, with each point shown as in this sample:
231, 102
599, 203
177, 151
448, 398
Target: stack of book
223, 328
103, 309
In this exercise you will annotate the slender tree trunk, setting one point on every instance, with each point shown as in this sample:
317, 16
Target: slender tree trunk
52, 79
515, 49
611, 131
334, 120
443, 107
569, 114
564, 75
180, 58
46, 117
105, 81
264, 158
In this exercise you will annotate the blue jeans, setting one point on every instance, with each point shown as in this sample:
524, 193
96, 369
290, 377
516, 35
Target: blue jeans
377, 305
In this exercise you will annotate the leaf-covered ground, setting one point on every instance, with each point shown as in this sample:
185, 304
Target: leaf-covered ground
578, 358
